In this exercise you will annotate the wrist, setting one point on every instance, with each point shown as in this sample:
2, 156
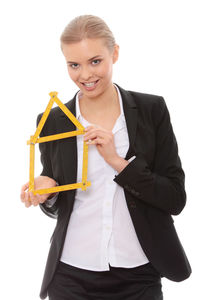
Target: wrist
118, 163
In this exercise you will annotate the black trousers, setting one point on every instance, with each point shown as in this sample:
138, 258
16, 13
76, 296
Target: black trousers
140, 283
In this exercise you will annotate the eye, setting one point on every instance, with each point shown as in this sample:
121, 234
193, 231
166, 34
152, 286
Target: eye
74, 66
96, 61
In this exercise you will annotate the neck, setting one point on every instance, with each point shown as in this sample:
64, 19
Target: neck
102, 102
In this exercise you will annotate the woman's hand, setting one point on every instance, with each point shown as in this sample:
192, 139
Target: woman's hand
40, 182
104, 141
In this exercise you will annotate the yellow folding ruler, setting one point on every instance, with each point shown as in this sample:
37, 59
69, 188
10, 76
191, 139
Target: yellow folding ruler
34, 139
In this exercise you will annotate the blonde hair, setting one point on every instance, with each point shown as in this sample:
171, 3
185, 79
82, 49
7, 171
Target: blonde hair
87, 26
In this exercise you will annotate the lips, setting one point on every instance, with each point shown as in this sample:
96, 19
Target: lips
89, 84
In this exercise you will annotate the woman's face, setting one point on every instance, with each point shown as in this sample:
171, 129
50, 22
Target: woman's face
90, 65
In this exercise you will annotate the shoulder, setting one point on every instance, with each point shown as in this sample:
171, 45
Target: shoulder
149, 106
153, 105
142, 100
148, 101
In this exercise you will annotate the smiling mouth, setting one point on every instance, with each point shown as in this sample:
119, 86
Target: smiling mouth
90, 84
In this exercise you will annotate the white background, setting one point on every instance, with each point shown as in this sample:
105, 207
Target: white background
159, 54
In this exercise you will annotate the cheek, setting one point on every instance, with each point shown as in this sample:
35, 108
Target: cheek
72, 74
106, 70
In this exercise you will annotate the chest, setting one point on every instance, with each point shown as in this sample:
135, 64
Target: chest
106, 119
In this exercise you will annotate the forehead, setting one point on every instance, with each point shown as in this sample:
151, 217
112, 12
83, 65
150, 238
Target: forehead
84, 49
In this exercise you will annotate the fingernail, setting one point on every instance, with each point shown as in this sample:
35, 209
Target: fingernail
89, 142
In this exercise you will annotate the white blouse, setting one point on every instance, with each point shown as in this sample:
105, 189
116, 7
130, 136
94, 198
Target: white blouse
100, 230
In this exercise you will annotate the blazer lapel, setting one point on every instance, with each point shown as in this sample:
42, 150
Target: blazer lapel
130, 112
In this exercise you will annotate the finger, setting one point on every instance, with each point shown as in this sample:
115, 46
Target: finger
37, 199
34, 199
35, 202
22, 196
25, 187
43, 198
96, 133
26, 196
97, 141
88, 128
28, 204
90, 136
31, 197
40, 199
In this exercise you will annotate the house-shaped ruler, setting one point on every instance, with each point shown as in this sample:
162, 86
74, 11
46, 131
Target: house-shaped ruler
34, 139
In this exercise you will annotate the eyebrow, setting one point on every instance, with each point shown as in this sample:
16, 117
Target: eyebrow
90, 59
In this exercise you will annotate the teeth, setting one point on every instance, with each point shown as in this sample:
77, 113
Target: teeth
90, 84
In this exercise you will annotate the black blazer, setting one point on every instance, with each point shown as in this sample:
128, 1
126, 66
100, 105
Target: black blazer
153, 183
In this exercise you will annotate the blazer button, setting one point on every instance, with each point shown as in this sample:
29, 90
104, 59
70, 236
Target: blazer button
137, 194
133, 192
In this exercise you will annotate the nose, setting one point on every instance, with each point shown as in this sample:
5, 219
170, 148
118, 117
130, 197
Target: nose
86, 74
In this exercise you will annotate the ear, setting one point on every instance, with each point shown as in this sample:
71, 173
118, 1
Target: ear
115, 53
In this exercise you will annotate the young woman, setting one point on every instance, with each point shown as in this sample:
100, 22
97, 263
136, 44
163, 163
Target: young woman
116, 239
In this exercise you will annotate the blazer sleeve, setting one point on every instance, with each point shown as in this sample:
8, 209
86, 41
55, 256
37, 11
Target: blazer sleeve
50, 210
162, 185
